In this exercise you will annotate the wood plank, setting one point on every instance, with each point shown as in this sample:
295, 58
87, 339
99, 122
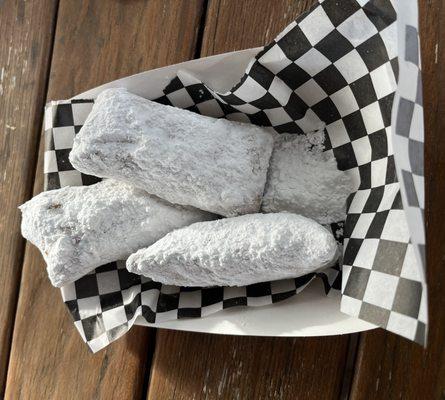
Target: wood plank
202, 366
95, 42
26, 31
100, 42
234, 25
388, 366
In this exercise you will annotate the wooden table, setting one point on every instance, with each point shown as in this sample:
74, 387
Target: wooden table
53, 49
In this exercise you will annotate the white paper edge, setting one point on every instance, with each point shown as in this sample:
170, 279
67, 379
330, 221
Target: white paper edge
309, 313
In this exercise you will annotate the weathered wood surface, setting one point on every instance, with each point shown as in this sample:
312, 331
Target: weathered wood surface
235, 25
389, 367
94, 42
202, 366
26, 31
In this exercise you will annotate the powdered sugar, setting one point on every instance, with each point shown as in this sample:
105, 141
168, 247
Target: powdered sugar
305, 180
237, 251
212, 164
80, 228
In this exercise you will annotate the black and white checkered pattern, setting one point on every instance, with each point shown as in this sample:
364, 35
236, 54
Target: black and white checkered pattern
62, 122
389, 288
106, 303
336, 65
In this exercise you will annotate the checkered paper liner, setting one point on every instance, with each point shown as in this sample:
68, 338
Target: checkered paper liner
336, 65
106, 302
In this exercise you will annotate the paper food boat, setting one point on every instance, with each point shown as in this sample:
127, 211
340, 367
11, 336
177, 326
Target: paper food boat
293, 84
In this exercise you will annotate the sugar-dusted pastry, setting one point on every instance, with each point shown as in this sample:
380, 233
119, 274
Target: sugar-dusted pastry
305, 180
237, 251
80, 228
186, 158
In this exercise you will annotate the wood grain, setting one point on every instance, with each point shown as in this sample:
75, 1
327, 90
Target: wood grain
388, 366
99, 41
234, 25
95, 42
203, 366
26, 31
